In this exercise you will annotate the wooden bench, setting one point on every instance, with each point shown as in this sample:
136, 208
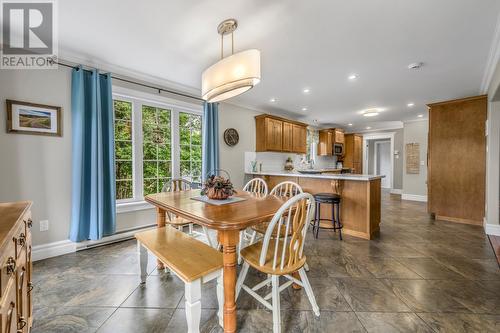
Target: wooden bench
192, 261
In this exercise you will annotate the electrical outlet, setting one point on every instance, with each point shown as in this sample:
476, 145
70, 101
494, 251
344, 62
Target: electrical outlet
44, 225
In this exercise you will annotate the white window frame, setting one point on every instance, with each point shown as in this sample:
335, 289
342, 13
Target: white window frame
138, 99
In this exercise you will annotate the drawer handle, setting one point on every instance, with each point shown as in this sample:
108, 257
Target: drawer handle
21, 323
9, 315
11, 266
30, 223
30, 287
22, 239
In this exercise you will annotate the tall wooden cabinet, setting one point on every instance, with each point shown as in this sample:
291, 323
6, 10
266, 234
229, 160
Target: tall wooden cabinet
457, 160
327, 138
353, 153
280, 135
15, 276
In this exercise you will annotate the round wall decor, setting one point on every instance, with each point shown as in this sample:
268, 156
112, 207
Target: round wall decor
231, 137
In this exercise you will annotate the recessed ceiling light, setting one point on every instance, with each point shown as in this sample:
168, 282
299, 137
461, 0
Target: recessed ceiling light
415, 65
420, 115
349, 124
304, 109
353, 77
370, 113
306, 90
368, 127
272, 100
410, 105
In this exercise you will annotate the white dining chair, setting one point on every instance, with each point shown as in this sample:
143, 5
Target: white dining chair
281, 255
180, 184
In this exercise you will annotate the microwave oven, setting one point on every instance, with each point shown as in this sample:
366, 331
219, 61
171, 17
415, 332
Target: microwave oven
338, 149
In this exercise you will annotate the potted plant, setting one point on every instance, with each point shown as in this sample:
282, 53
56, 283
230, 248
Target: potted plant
218, 187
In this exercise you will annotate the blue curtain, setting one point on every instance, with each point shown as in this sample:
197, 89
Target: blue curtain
210, 138
93, 193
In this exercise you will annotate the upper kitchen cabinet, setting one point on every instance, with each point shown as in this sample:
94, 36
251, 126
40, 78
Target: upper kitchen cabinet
353, 153
280, 135
327, 140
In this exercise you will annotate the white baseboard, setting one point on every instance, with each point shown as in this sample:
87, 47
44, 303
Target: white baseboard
414, 197
396, 191
59, 248
492, 229
53, 249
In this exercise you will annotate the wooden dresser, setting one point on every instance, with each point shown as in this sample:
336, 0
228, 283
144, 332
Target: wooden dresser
15, 276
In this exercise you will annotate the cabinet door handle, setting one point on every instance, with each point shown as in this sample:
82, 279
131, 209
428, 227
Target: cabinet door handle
22, 239
11, 266
30, 286
21, 323
30, 223
9, 316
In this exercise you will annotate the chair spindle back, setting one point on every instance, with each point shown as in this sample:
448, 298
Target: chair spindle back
175, 185
256, 185
286, 189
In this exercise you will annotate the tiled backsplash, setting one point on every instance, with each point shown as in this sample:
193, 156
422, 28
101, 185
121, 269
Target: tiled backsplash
276, 161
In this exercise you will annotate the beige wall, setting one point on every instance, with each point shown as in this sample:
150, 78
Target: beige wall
38, 168
232, 159
416, 132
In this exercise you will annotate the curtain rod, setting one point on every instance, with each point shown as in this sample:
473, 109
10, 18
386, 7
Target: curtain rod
136, 83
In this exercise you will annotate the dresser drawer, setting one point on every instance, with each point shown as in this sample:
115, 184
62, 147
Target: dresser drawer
8, 309
7, 268
20, 240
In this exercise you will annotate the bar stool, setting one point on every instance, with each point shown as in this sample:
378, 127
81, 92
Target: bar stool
327, 198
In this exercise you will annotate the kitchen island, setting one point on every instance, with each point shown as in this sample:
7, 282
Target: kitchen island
360, 206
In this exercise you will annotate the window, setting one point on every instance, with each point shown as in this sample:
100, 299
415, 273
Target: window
142, 166
190, 144
123, 149
157, 158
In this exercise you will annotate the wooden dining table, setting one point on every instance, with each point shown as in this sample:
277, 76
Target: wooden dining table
228, 219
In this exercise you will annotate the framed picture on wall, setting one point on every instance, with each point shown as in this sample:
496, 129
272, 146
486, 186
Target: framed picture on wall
31, 118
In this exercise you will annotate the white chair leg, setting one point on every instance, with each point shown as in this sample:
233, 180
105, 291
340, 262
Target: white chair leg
143, 262
276, 304
252, 238
180, 228
241, 278
309, 291
209, 240
306, 267
190, 229
220, 299
193, 305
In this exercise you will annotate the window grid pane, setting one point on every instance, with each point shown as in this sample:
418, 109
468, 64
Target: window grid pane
157, 164
190, 146
123, 149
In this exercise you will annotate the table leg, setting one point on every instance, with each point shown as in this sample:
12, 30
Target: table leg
160, 222
229, 240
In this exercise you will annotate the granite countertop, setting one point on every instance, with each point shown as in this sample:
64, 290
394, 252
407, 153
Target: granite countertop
345, 176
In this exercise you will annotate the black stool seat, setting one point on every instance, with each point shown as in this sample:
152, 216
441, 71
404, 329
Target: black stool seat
326, 197
334, 223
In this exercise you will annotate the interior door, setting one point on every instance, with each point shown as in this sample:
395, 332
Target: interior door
383, 165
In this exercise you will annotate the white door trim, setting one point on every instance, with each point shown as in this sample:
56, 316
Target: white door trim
376, 136
375, 167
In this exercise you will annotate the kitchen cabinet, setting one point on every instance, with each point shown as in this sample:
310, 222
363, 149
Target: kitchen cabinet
280, 135
456, 170
287, 137
299, 139
327, 138
353, 153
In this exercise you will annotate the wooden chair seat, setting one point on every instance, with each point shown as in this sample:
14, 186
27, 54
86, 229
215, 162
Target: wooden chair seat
189, 258
262, 227
251, 255
178, 221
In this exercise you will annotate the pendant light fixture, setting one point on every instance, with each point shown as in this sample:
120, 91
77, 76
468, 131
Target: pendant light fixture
233, 75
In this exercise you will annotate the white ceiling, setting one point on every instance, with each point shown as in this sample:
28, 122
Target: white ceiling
313, 43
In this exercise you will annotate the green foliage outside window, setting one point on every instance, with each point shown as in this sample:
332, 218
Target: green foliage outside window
190, 146
123, 149
157, 165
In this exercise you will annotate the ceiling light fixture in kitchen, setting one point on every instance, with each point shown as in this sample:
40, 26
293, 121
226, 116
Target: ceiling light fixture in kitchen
353, 77
368, 127
306, 90
420, 116
233, 75
272, 100
304, 109
372, 112
349, 124
410, 105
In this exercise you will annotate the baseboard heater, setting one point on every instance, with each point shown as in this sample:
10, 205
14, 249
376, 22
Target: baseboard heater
119, 236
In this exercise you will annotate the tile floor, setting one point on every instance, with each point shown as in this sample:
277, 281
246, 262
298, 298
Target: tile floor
420, 275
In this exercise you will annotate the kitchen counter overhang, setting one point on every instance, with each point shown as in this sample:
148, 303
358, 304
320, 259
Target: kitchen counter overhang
361, 197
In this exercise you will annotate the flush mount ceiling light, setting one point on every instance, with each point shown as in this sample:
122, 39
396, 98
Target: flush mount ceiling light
372, 112
410, 105
233, 75
353, 77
